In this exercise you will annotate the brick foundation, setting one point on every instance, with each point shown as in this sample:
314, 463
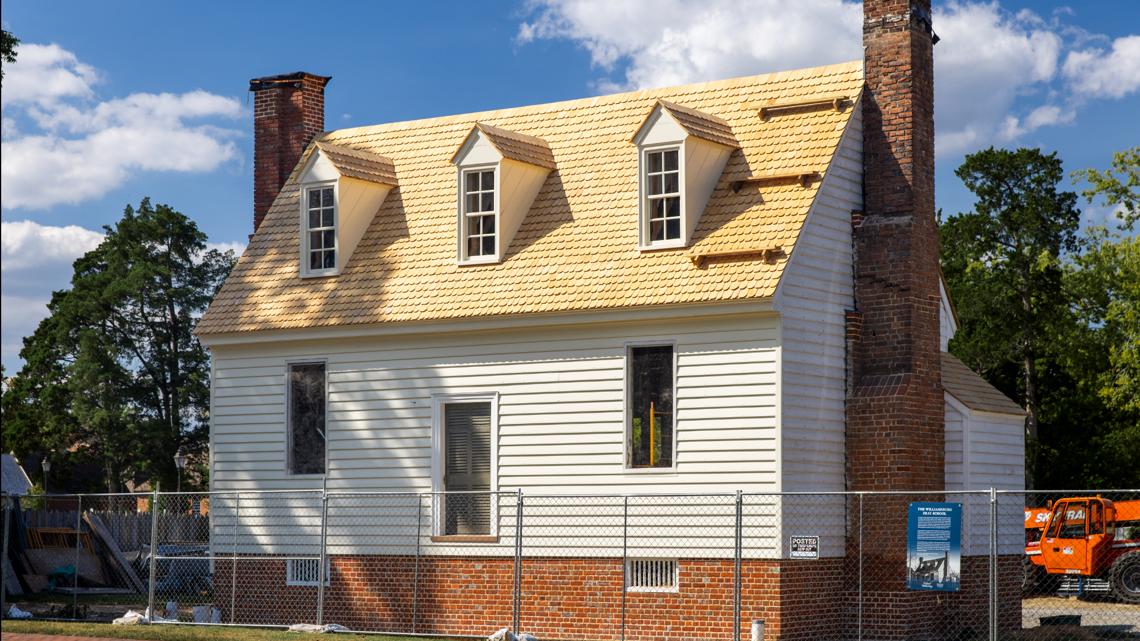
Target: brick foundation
581, 599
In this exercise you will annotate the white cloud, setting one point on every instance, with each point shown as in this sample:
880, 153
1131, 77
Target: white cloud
26, 244
997, 73
237, 247
77, 149
44, 74
1106, 74
36, 260
21, 316
666, 42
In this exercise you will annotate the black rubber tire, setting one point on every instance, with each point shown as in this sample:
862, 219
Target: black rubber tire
1036, 581
1124, 577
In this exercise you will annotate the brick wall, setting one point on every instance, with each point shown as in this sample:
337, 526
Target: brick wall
580, 599
288, 112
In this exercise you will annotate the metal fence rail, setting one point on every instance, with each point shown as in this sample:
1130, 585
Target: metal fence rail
585, 567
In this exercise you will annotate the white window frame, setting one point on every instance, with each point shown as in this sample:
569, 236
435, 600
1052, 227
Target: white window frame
306, 271
676, 583
464, 258
289, 418
291, 571
643, 227
438, 403
627, 403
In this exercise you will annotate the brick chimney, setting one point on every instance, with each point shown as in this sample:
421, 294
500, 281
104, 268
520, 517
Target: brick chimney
288, 112
895, 405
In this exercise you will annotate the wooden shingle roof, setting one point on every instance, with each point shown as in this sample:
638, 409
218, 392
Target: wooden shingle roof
360, 164
516, 146
701, 125
972, 390
576, 249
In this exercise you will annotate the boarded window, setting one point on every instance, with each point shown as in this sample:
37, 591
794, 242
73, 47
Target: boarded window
651, 406
467, 471
307, 418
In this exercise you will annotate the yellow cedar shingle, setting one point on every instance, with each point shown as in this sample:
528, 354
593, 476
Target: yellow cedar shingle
577, 247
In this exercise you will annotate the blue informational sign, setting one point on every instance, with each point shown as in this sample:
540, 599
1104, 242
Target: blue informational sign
934, 546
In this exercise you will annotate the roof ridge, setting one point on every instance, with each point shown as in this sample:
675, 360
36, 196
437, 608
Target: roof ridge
651, 92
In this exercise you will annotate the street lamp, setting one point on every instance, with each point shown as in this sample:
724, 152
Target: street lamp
180, 462
45, 465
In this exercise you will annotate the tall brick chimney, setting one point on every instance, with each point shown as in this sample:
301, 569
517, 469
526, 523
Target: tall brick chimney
895, 405
288, 112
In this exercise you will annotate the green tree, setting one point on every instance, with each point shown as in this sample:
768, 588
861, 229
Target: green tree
115, 371
1119, 186
1101, 350
1003, 263
8, 44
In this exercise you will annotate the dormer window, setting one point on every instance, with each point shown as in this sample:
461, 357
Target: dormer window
320, 234
341, 191
489, 158
480, 215
682, 154
663, 194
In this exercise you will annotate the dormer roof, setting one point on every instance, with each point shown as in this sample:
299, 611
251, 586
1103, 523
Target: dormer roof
363, 165
695, 123
576, 249
515, 146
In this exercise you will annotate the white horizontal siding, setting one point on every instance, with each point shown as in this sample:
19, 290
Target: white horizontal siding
560, 430
814, 295
985, 450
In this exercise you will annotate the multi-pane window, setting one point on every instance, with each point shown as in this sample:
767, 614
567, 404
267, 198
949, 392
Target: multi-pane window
320, 229
479, 212
467, 468
307, 418
662, 195
651, 406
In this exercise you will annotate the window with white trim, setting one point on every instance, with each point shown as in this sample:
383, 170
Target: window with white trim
480, 213
662, 193
467, 469
651, 575
306, 572
319, 238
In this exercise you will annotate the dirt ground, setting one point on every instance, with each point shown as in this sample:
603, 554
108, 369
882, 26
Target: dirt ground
1103, 615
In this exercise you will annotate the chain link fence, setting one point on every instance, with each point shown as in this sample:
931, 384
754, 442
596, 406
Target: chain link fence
982, 565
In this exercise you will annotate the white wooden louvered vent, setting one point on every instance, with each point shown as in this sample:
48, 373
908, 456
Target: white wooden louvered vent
651, 575
305, 571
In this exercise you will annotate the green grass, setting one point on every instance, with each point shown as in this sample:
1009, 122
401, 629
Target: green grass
166, 632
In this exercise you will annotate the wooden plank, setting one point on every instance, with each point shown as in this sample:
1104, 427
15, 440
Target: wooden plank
96, 524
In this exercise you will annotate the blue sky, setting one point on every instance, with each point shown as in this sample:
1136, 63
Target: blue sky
112, 102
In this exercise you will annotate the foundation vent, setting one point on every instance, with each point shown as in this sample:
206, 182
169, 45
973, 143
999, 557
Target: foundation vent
651, 575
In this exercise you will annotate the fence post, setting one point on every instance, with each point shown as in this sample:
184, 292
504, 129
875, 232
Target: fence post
859, 551
624, 558
518, 561
993, 565
416, 575
3, 583
153, 555
233, 566
78, 539
321, 568
736, 596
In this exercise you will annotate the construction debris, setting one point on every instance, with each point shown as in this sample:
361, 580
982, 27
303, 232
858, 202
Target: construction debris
17, 613
312, 628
